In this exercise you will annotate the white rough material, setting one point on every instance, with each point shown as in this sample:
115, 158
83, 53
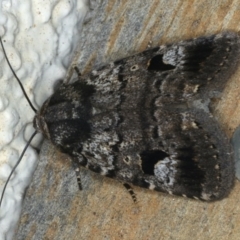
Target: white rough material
40, 38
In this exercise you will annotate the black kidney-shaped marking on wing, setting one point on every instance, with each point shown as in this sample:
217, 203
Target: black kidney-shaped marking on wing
147, 119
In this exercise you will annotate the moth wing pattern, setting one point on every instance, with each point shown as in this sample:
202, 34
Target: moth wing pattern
147, 119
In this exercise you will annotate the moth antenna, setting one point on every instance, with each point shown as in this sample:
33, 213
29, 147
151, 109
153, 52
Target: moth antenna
15, 75
19, 160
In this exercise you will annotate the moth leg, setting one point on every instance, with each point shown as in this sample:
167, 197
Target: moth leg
78, 72
77, 170
131, 192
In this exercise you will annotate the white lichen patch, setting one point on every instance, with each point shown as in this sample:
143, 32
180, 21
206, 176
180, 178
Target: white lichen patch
40, 39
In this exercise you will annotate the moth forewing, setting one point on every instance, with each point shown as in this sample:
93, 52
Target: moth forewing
147, 120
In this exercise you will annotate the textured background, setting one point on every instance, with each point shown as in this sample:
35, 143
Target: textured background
40, 41
55, 209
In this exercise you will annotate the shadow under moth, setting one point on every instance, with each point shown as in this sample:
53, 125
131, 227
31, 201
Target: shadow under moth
147, 119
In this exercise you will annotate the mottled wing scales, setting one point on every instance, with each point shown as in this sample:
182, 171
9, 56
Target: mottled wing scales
147, 119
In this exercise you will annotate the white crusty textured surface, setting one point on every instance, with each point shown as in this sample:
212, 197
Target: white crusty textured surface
40, 38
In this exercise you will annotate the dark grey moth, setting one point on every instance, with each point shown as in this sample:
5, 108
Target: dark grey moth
147, 120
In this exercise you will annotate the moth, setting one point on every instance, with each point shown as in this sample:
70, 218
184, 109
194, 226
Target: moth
147, 120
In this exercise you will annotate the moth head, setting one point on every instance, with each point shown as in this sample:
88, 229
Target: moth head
39, 124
